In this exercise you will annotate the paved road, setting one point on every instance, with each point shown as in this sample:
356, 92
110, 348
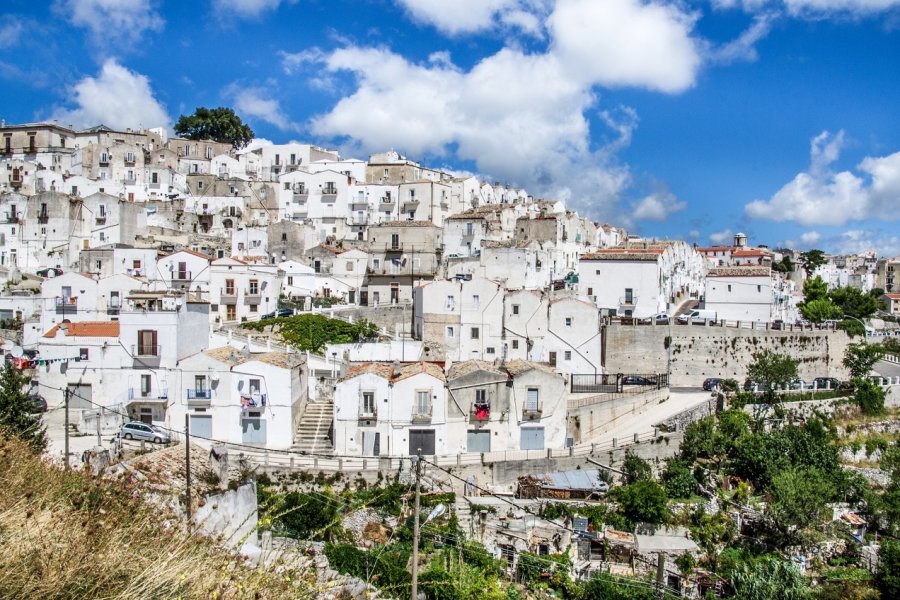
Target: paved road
679, 400
887, 369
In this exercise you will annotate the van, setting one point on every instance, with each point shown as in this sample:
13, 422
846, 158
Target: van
699, 316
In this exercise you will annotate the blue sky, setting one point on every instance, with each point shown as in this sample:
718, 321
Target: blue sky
674, 119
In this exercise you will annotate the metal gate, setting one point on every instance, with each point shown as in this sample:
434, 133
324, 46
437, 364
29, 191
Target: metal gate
478, 441
201, 426
254, 430
421, 438
532, 438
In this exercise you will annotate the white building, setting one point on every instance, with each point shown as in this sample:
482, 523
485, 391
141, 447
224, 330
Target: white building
241, 290
740, 294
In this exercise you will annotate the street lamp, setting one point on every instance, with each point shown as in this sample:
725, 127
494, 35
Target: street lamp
861, 322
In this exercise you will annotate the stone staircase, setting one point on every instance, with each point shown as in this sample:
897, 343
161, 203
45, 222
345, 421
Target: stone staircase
312, 430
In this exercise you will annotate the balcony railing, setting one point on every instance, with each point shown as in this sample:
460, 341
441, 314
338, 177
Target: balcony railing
481, 411
64, 304
138, 394
228, 296
369, 414
300, 198
422, 416
628, 300
181, 276
532, 411
199, 394
43, 218
145, 350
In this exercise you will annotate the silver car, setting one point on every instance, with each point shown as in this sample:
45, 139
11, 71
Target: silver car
142, 431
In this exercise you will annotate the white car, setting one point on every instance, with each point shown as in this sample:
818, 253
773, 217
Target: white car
142, 431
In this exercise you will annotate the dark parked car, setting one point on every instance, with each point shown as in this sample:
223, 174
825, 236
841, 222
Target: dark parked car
826, 383
778, 324
281, 312
712, 383
36, 404
636, 380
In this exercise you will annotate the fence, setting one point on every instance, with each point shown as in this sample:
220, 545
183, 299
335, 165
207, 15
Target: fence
616, 383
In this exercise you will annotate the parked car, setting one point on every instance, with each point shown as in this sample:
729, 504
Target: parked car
142, 431
826, 383
777, 324
36, 404
712, 383
281, 312
659, 319
799, 384
699, 316
636, 380
750, 386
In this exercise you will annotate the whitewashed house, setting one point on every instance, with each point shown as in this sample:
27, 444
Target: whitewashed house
183, 270
240, 290
740, 294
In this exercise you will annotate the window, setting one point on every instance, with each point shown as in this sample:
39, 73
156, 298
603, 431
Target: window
729, 287
199, 184
385, 173
515, 309
552, 359
590, 291
476, 300
474, 333
423, 402
102, 207
82, 354
229, 287
489, 350
283, 237
349, 265
154, 177
290, 280
146, 384
368, 403
254, 287
515, 344
451, 302
253, 308
629, 295
450, 332
758, 288
395, 240
135, 264
568, 321
146, 343
293, 159
568, 355
480, 396
532, 399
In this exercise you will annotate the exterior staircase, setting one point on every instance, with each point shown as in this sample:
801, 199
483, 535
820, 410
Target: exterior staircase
312, 430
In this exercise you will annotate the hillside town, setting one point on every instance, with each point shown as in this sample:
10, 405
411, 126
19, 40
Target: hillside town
310, 318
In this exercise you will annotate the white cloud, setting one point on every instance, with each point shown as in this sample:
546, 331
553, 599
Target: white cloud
694, 234
626, 43
810, 238
253, 102
245, 9
657, 207
10, 31
254, 144
459, 16
821, 197
720, 237
811, 8
292, 62
122, 22
117, 97
743, 48
858, 241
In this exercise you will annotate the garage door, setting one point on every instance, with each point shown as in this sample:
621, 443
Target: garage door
421, 438
532, 438
79, 396
201, 426
254, 430
478, 441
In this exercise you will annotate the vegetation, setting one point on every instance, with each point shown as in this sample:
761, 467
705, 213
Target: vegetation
217, 124
68, 535
636, 468
868, 396
812, 260
17, 416
860, 358
888, 579
772, 371
643, 501
769, 579
314, 332
786, 265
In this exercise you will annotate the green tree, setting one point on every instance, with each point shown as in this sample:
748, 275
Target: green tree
609, 587
798, 498
860, 358
815, 288
869, 396
218, 124
769, 579
313, 332
678, 479
852, 301
17, 416
888, 577
818, 310
636, 468
786, 265
772, 370
644, 501
812, 260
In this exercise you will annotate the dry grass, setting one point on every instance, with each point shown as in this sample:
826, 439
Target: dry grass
67, 535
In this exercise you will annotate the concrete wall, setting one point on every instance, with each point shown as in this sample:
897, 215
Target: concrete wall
231, 514
589, 420
698, 352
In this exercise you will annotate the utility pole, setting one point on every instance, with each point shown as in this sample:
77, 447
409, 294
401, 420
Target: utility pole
415, 549
187, 468
660, 573
66, 429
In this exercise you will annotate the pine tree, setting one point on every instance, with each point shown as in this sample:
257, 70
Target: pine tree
17, 416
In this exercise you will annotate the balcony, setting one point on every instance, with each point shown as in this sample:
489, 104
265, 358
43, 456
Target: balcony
181, 277
368, 414
359, 201
64, 305
387, 200
414, 202
359, 220
532, 411
139, 395
101, 220
104, 161
300, 198
43, 217
196, 394
421, 416
252, 297
11, 219
628, 300
145, 351
129, 159
114, 307
481, 411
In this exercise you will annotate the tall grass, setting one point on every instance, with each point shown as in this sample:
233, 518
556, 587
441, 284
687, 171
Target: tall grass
67, 535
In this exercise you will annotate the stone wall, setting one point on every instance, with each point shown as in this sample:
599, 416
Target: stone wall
589, 420
698, 352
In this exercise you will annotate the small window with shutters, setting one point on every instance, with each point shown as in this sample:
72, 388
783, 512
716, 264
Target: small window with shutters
532, 399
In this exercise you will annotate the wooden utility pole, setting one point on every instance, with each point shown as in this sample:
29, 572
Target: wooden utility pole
66, 429
187, 468
415, 549
660, 573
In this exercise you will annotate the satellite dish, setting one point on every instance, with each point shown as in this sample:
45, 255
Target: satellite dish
17, 352
8, 345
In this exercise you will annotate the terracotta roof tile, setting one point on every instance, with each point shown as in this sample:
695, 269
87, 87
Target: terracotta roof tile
86, 329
